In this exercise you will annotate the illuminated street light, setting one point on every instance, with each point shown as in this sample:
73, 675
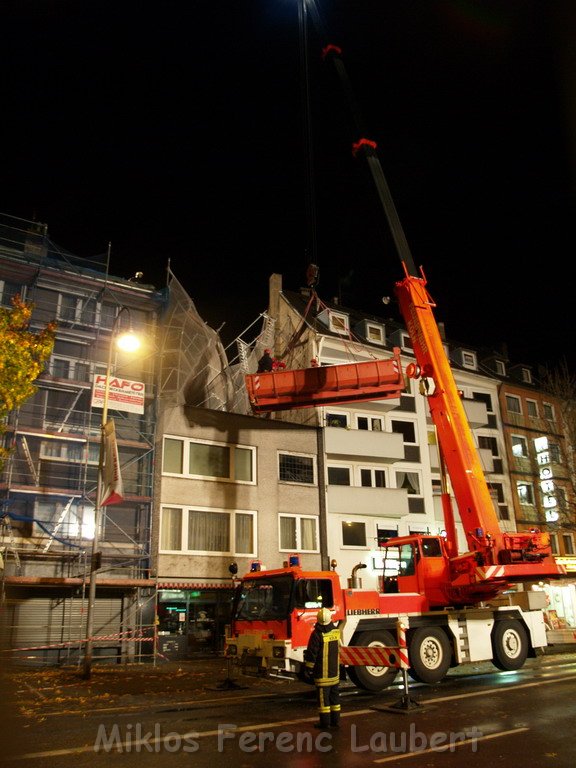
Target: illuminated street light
127, 342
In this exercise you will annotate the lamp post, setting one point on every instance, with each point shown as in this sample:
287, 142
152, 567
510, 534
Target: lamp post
127, 342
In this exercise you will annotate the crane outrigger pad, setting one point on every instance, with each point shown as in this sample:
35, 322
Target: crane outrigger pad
309, 387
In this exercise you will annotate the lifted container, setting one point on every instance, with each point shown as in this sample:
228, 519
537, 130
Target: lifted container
327, 385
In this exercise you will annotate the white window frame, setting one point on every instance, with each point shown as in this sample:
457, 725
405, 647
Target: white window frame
500, 367
184, 512
517, 401
310, 456
187, 441
354, 546
375, 333
469, 360
523, 440
372, 470
548, 407
534, 403
349, 467
406, 342
298, 519
523, 500
374, 423
341, 415
526, 374
414, 423
338, 322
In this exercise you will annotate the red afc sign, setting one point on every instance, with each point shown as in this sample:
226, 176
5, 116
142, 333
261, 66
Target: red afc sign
123, 394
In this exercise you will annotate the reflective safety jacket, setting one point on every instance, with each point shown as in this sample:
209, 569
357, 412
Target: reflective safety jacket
322, 656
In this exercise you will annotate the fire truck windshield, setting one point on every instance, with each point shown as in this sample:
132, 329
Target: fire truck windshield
264, 599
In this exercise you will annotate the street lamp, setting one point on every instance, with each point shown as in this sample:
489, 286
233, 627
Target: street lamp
127, 342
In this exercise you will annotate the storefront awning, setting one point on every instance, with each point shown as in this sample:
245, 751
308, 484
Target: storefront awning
194, 585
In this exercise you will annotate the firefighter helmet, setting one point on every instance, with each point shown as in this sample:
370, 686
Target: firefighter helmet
324, 616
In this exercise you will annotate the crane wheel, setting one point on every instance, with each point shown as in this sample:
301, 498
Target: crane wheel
430, 655
509, 644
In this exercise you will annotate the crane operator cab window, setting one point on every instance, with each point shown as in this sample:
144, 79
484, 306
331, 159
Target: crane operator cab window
314, 593
398, 561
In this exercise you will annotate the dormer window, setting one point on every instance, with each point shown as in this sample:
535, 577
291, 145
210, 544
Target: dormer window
469, 360
500, 367
526, 374
372, 332
337, 322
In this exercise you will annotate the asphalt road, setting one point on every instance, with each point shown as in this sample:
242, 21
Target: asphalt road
196, 714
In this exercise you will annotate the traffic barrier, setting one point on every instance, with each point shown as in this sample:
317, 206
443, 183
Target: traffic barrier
124, 637
378, 655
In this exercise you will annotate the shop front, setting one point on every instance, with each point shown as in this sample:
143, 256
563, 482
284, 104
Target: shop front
561, 597
191, 619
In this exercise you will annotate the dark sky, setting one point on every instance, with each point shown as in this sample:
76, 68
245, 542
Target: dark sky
176, 131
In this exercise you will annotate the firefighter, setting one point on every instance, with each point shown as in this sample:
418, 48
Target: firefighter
322, 663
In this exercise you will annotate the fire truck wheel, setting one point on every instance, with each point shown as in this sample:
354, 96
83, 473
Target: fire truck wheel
509, 644
373, 678
430, 655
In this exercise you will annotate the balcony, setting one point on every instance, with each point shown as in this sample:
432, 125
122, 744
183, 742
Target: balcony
476, 413
374, 502
486, 459
384, 447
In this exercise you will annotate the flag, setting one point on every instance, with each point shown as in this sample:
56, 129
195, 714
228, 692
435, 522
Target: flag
112, 490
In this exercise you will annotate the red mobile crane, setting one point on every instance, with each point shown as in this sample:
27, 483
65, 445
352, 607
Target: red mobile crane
451, 603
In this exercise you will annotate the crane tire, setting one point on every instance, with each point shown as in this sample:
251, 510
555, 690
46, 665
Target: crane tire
509, 644
430, 655
373, 679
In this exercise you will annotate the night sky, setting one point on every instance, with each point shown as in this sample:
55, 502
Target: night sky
178, 131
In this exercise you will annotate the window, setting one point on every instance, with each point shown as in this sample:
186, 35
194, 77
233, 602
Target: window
210, 461
411, 482
171, 529
499, 501
484, 397
207, 531
500, 367
526, 375
173, 456
296, 468
372, 478
490, 443
60, 368
525, 492
373, 423
532, 408
338, 475
338, 322
7, 292
519, 446
405, 428
408, 480
469, 360
353, 534
554, 453
74, 309
375, 333
513, 404
406, 341
548, 410
554, 543
568, 540
298, 533
335, 419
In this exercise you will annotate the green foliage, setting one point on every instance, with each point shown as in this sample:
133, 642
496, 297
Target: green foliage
22, 357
